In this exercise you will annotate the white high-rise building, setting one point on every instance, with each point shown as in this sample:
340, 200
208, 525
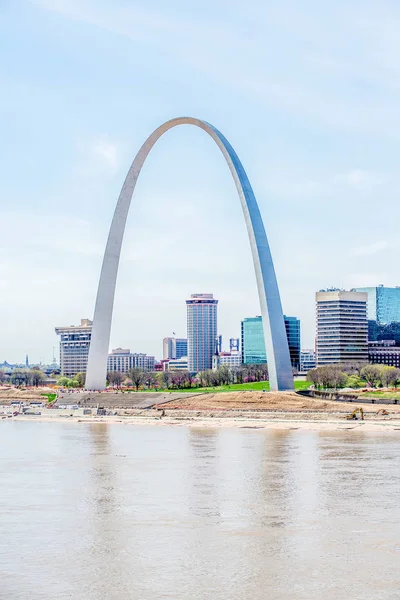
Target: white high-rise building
342, 327
74, 347
201, 331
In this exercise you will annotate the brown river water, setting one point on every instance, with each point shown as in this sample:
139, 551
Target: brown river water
104, 512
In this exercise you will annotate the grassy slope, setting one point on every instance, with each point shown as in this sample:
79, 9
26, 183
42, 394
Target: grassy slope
378, 394
237, 387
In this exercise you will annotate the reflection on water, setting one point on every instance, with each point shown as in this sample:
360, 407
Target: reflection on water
97, 511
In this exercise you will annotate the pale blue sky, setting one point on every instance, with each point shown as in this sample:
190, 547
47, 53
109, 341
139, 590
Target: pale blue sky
307, 92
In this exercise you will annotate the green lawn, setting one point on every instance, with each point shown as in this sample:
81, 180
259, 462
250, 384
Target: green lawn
379, 394
237, 387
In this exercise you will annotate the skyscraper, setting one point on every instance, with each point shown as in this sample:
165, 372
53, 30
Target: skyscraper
74, 347
201, 331
383, 303
253, 345
342, 329
174, 347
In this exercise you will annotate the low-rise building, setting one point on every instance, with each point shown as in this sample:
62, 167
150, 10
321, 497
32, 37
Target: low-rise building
384, 352
121, 359
230, 359
307, 360
176, 364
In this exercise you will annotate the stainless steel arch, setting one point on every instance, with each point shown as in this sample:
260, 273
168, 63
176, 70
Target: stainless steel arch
280, 371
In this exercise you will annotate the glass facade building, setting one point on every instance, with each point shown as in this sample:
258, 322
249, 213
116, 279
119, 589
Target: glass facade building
253, 344
201, 331
383, 303
292, 325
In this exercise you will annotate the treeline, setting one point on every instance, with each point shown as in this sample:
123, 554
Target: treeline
354, 375
23, 377
224, 375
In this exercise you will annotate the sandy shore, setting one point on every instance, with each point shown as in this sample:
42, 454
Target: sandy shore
324, 422
249, 409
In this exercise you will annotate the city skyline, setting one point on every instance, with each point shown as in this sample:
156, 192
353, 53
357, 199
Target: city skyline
312, 154
160, 349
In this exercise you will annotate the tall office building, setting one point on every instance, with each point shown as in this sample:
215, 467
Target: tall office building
253, 344
383, 303
342, 328
74, 347
201, 331
174, 348
122, 359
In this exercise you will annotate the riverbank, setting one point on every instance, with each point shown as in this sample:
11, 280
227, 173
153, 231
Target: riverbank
210, 419
261, 410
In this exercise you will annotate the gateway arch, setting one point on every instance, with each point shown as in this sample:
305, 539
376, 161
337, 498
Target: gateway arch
276, 343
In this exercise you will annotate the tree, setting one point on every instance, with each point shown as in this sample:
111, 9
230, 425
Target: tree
389, 376
137, 377
19, 377
371, 374
36, 377
63, 381
80, 377
353, 367
327, 376
224, 375
314, 376
178, 379
164, 379
3, 376
150, 380
354, 381
115, 378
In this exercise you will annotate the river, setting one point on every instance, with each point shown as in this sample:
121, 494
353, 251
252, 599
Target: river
112, 511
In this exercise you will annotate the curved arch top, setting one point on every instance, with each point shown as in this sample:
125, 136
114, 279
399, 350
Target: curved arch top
276, 343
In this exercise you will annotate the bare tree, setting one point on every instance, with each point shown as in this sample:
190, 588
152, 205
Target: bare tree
36, 377
150, 380
327, 376
138, 377
389, 376
19, 377
164, 379
115, 378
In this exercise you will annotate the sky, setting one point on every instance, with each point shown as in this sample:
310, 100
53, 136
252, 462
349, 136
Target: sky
308, 94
